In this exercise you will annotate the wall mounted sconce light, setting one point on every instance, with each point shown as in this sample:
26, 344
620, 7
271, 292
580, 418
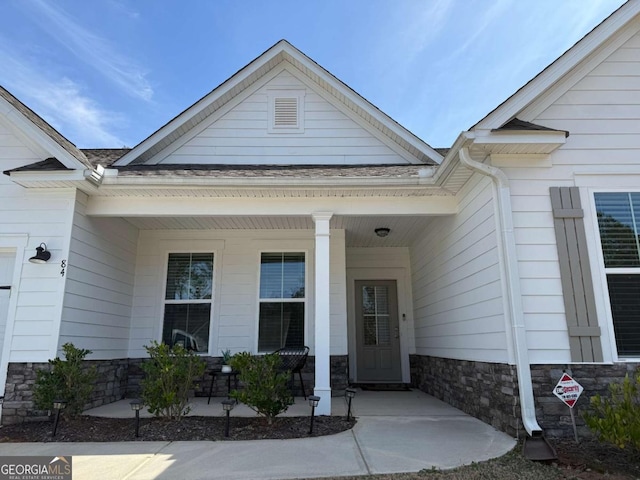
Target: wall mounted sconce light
382, 232
42, 254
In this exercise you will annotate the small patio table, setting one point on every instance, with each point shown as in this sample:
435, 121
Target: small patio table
218, 371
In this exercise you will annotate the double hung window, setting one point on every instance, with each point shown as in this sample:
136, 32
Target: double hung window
282, 301
619, 224
188, 300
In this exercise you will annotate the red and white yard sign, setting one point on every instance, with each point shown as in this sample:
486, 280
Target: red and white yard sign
568, 390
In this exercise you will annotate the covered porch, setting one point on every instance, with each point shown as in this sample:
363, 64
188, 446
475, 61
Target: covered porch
339, 249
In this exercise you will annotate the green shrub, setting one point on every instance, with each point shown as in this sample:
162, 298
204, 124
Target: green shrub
265, 386
169, 376
67, 380
616, 419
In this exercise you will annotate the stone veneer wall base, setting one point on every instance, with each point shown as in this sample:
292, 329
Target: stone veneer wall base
17, 407
121, 378
489, 391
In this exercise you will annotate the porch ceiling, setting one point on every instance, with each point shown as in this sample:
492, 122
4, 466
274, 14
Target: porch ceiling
359, 231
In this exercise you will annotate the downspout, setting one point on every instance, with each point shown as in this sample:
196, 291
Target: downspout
510, 270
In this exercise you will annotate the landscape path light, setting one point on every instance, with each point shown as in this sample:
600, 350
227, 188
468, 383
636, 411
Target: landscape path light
313, 403
349, 393
227, 405
136, 406
58, 405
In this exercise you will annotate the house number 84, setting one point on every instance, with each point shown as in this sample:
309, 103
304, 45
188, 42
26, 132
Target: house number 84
63, 266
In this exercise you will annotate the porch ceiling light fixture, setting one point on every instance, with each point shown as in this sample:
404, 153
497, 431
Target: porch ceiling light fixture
382, 232
42, 254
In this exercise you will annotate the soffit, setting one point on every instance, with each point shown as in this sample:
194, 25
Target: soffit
245, 78
359, 231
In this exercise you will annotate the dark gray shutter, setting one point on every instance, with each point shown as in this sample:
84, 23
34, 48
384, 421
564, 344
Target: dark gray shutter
575, 273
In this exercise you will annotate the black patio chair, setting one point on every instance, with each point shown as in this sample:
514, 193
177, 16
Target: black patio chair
293, 360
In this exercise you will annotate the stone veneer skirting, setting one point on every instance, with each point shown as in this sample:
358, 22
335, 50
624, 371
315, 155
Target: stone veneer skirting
489, 391
17, 407
120, 378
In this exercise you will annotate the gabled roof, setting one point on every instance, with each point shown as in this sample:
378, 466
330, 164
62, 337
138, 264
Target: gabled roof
104, 156
44, 127
517, 125
282, 51
48, 165
565, 65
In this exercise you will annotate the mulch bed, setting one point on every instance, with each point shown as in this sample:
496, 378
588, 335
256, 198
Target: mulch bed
591, 459
99, 429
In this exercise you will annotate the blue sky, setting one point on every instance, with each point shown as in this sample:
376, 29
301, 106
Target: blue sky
108, 73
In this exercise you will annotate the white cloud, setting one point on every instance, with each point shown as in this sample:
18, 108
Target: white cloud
60, 102
424, 26
92, 49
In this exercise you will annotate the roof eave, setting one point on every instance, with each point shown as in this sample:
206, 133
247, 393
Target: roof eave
287, 50
87, 180
264, 182
40, 137
520, 142
560, 67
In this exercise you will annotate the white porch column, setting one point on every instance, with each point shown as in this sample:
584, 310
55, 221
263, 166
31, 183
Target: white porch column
322, 312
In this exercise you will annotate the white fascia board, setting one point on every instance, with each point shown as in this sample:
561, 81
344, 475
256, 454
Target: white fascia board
287, 49
448, 165
353, 115
49, 176
34, 135
214, 117
199, 106
541, 137
55, 180
180, 207
560, 67
367, 106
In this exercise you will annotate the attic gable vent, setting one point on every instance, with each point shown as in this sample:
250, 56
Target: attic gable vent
286, 111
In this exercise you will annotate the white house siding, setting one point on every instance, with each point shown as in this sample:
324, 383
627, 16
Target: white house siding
99, 291
234, 322
383, 263
28, 218
602, 114
240, 135
458, 301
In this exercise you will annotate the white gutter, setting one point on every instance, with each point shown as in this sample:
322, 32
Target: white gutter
510, 270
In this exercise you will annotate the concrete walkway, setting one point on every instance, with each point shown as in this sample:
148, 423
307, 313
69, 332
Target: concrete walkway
396, 432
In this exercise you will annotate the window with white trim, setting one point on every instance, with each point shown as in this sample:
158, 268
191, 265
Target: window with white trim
282, 300
188, 300
618, 223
